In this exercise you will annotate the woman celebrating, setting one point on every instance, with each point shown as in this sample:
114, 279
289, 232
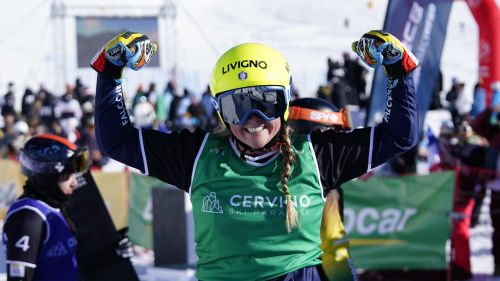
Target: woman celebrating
257, 190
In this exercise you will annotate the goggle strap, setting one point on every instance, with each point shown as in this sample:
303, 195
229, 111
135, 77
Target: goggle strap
328, 118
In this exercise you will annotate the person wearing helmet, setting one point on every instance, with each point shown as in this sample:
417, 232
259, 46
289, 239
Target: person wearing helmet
38, 236
311, 114
308, 115
257, 189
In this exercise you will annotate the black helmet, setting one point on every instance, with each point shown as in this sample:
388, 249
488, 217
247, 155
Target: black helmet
309, 114
48, 154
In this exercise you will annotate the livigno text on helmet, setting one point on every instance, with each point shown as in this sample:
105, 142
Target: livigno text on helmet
244, 64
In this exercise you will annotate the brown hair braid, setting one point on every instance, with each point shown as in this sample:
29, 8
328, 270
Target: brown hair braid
292, 218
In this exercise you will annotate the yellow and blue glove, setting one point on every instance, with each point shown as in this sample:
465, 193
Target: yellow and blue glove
378, 47
131, 49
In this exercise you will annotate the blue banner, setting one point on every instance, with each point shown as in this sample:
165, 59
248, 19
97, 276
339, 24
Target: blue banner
421, 27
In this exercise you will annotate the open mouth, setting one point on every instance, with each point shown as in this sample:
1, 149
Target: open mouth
255, 130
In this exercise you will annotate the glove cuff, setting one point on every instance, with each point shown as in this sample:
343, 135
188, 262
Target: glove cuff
394, 71
102, 65
406, 65
113, 71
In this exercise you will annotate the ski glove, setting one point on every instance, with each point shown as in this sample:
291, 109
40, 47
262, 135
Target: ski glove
124, 247
130, 49
378, 47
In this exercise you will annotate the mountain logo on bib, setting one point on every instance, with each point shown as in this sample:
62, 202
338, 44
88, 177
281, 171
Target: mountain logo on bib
57, 251
211, 204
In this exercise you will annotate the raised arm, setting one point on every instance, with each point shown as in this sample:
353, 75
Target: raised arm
398, 131
169, 157
343, 156
115, 134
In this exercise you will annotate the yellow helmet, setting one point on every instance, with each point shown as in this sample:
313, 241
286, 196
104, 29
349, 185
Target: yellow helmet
250, 66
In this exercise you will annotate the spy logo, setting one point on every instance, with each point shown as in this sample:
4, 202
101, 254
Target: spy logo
59, 167
324, 116
211, 204
242, 75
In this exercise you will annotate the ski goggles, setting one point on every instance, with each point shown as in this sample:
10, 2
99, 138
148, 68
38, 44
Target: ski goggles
236, 106
79, 162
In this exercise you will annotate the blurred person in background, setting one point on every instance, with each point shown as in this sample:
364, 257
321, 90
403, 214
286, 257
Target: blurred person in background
183, 117
8, 136
495, 102
168, 96
140, 96
160, 107
443, 159
209, 117
332, 66
87, 105
79, 90
22, 134
38, 235
88, 139
197, 112
489, 128
354, 74
459, 104
152, 94
68, 113
479, 103
9, 100
470, 154
144, 117
44, 106
436, 93
459, 150
28, 104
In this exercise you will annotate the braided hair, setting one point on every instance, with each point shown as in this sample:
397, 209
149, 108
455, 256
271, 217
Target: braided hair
292, 217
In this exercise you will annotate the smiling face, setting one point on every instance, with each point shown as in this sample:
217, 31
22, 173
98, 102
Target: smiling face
256, 132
